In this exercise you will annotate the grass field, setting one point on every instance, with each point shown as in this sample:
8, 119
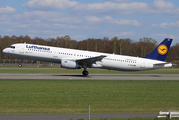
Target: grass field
61, 96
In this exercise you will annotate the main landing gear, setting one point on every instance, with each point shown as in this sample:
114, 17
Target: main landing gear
85, 72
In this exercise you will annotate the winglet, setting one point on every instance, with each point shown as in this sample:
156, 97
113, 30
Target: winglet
161, 51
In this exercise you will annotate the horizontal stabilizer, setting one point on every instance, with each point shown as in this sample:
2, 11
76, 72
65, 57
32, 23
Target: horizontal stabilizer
163, 65
168, 65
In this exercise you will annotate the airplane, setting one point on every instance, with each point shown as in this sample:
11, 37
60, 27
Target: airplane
77, 59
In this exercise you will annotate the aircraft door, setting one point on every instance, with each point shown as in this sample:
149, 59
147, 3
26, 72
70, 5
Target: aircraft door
21, 48
55, 54
143, 64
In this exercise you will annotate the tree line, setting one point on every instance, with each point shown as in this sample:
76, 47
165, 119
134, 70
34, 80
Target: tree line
114, 45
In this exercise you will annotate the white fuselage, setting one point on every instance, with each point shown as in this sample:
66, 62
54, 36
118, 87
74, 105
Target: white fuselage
55, 55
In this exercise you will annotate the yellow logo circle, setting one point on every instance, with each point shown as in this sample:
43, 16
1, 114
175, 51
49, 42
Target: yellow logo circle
162, 49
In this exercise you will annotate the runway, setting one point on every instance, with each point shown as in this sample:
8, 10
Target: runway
92, 76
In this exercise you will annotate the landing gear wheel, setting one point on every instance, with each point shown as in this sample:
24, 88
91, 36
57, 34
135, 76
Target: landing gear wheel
20, 65
85, 73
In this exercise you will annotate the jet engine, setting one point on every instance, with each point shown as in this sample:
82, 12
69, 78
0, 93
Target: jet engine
70, 64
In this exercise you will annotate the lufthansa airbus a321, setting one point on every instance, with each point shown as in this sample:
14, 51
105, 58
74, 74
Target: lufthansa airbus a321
77, 59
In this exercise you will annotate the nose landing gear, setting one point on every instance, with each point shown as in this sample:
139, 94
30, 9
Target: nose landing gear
20, 64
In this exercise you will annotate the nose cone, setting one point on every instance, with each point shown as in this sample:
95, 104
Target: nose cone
5, 51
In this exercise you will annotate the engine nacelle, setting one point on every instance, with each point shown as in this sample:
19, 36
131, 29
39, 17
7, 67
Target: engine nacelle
69, 64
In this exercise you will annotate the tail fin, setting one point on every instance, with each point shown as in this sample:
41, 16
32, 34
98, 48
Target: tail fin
161, 51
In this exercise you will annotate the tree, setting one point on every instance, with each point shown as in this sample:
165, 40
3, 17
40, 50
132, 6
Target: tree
147, 45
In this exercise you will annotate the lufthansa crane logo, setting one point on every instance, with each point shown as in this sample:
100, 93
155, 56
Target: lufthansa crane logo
162, 49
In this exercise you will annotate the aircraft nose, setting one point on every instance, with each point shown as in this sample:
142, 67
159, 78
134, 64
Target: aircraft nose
5, 51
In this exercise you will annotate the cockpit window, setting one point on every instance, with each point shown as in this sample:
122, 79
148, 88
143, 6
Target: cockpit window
12, 47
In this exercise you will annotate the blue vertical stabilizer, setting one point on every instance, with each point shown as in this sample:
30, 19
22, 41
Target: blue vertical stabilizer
161, 51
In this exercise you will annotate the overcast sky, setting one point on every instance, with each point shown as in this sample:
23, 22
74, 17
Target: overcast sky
82, 19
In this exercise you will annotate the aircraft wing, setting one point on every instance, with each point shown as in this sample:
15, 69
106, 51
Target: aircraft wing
89, 61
